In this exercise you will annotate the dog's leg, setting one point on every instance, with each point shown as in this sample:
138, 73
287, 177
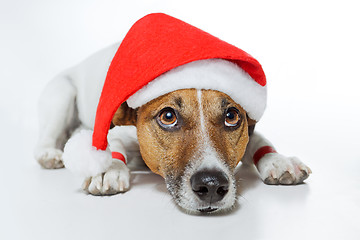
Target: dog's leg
273, 167
57, 120
117, 178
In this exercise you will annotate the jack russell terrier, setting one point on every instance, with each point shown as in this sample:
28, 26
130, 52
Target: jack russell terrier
194, 117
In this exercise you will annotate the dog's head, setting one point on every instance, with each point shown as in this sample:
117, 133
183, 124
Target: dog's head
194, 139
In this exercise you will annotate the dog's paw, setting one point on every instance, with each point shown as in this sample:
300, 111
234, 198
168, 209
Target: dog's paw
115, 180
50, 158
275, 168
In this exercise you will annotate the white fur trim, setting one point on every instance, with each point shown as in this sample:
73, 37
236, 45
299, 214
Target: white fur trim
215, 74
84, 159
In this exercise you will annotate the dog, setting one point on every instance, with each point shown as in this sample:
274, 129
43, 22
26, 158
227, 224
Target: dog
193, 138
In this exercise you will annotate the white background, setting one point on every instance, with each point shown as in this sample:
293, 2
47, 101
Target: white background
310, 53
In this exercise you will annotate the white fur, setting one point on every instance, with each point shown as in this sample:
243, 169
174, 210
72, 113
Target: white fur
215, 74
82, 158
115, 138
202, 119
123, 139
88, 78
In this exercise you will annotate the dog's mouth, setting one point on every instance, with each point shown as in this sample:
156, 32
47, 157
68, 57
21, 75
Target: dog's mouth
207, 210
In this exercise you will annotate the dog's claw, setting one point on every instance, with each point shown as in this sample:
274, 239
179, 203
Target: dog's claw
273, 174
86, 183
304, 175
286, 178
271, 180
99, 181
106, 187
121, 186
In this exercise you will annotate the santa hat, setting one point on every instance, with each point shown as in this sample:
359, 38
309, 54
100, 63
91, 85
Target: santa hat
161, 54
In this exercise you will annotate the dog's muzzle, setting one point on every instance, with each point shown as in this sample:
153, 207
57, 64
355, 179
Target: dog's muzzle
210, 186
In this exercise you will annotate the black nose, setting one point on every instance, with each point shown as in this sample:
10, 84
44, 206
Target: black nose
210, 185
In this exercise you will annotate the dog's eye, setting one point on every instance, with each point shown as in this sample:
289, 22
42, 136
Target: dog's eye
167, 117
232, 117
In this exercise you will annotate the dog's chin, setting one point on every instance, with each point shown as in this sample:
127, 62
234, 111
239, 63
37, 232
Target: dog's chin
189, 203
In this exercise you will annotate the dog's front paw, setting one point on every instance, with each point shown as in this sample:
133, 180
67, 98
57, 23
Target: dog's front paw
115, 180
275, 168
50, 158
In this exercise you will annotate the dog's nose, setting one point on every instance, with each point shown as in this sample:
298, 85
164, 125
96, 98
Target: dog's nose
210, 186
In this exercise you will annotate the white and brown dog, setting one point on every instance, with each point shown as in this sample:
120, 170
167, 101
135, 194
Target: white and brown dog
191, 136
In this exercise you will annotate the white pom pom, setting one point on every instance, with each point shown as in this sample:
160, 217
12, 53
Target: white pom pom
82, 158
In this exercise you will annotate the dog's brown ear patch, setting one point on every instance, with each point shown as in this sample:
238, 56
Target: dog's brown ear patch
125, 116
250, 121
251, 125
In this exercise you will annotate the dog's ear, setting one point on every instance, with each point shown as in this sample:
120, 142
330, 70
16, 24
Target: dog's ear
251, 125
124, 116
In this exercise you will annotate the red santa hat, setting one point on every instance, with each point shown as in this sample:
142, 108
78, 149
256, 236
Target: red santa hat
161, 54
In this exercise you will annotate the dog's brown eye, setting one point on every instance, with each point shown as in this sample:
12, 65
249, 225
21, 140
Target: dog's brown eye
167, 117
232, 117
